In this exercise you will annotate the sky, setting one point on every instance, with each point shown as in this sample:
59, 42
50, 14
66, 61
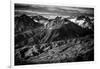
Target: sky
51, 10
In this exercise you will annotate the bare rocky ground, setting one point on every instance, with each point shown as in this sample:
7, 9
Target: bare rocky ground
71, 50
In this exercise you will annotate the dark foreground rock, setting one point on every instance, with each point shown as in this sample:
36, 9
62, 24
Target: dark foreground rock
72, 50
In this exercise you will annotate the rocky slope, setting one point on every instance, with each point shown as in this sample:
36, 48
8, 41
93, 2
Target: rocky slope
60, 40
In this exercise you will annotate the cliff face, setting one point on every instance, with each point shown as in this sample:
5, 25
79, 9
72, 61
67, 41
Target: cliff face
60, 40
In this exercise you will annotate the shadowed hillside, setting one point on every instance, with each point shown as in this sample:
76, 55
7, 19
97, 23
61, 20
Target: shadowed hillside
41, 40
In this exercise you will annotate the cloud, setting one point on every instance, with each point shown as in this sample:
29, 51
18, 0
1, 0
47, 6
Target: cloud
50, 10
